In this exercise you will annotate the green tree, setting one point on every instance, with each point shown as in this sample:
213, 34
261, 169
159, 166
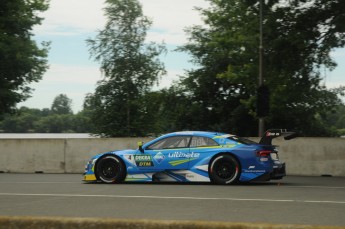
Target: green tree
58, 120
130, 67
22, 121
62, 105
335, 119
298, 37
165, 111
22, 61
56, 123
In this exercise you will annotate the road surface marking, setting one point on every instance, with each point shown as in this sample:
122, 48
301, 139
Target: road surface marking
173, 197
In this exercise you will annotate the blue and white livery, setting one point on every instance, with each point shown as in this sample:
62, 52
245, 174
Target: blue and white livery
192, 156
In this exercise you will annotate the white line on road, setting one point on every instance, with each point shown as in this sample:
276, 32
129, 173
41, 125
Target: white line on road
282, 185
173, 197
326, 187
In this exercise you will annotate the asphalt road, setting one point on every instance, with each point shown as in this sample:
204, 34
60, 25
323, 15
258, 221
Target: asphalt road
294, 200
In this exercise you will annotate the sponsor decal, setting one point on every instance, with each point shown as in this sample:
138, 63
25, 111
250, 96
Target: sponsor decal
189, 176
251, 170
254, 171
159, 157
143, 160
142, 157
183, 155
268, 134
144, 163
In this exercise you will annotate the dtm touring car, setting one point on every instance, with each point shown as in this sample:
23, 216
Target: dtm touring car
192, 156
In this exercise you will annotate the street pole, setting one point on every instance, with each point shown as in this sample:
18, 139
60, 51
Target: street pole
261, 119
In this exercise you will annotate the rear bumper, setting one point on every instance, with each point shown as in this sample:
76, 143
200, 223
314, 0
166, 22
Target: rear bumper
278, 172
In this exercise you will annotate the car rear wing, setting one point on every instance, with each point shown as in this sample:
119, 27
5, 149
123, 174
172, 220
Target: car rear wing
274, 133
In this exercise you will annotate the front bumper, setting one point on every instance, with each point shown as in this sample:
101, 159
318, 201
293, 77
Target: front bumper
89, 177
89, 174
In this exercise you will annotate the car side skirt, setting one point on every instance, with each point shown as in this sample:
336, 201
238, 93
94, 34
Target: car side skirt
182, 176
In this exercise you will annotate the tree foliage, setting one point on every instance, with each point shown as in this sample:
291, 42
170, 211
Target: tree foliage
298, 38
22, 61
62, 120
130, 67
219, 94
62, 105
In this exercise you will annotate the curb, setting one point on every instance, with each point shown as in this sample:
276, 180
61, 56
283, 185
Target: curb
93, 223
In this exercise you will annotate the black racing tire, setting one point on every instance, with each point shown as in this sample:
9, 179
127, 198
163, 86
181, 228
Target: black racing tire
110, 169
224, 169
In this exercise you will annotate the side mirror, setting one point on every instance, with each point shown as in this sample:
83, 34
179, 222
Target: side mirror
140, 145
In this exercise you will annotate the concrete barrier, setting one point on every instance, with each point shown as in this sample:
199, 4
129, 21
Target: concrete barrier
314, 156
56, 155
79, 151
303, 156
76, 223
30, 155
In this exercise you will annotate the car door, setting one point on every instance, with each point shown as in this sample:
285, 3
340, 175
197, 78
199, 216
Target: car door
171, 153
202, 147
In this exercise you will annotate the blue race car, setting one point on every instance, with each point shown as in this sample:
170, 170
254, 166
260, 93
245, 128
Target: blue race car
192, 156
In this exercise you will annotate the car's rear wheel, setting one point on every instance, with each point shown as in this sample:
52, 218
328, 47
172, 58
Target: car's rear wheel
224, 169
110, 169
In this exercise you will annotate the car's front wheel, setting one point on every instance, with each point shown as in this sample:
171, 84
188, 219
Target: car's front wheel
224, 169
110, 169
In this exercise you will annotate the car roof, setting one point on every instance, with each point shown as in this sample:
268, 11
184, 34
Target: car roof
196, 133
